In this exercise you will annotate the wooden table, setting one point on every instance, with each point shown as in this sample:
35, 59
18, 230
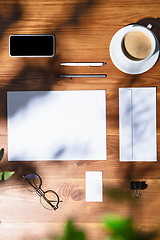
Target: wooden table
83, 31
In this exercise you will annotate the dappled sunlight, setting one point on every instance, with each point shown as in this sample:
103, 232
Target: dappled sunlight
55, 128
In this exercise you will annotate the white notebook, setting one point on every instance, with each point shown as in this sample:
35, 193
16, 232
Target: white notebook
137, 124
56, 125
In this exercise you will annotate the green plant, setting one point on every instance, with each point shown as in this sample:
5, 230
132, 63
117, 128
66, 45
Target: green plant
72, 233
7, 174
117, 227
122, 228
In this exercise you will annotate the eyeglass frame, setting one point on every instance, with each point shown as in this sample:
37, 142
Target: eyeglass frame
40, 191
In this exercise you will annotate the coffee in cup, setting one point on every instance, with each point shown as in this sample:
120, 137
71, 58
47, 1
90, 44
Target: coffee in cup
138, 44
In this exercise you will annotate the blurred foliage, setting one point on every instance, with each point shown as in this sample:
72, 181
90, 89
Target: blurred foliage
7, 174
71, 233
122, 228
117, 228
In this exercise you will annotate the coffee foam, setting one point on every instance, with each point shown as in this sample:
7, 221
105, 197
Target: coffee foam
137, 44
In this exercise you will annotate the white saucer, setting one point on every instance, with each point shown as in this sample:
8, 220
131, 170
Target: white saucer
122, 63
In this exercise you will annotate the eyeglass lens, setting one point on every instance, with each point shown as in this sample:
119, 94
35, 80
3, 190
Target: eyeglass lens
49, 200
32, 181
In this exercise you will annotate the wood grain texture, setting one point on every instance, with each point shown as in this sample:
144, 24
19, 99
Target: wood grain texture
83, 31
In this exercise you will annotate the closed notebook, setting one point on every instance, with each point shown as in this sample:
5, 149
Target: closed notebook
137, 124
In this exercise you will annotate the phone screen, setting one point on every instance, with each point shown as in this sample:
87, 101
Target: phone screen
31, 45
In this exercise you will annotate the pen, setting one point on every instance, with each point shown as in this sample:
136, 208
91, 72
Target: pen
88, 64
84, 76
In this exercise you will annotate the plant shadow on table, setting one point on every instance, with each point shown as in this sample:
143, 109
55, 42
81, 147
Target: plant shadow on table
34, 77
34, 74
155, 22
132, 170
80, 10
15, 15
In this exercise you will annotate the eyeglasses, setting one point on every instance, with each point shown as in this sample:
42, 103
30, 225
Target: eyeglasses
48, 199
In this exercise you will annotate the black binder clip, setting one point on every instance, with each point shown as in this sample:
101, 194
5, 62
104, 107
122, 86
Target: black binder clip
137, 186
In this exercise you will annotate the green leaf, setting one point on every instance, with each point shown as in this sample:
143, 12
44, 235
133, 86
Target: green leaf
8, 174
1, 153
72, 233
1, 176
120, 227
114, 237
5, 175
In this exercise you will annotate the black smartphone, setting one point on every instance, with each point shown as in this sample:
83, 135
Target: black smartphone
32, 45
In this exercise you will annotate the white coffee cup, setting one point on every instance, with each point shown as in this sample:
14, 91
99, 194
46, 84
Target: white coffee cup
148, 33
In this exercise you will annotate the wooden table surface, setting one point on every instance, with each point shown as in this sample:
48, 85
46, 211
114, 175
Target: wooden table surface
83, 31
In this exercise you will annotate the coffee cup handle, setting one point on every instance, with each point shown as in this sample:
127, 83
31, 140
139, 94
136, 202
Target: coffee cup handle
149, 26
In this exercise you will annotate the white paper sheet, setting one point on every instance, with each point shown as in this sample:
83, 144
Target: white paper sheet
94, 186
137, 124
57, 125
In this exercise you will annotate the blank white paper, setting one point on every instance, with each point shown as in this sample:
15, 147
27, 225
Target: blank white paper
56, 125
137, 124
94, 186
